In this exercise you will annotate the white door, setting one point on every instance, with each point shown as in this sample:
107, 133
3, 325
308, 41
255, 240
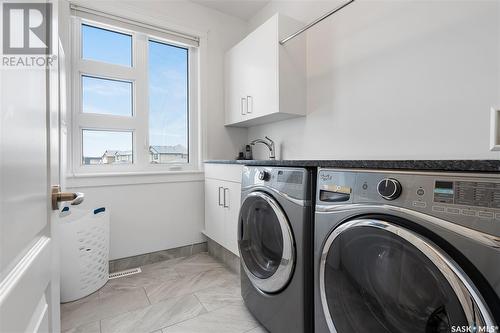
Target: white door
214, 213
235, 98
29, 287
259, 70
232, 202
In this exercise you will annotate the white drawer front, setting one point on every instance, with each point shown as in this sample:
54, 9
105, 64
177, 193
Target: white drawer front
227, 172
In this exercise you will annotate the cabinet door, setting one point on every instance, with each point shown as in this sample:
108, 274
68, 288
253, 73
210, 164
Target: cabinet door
232, 210
259, 70
233, 86
214, 211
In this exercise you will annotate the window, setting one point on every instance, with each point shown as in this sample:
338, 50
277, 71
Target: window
105, 96
134, 93
106, 45
106, 147
168, 96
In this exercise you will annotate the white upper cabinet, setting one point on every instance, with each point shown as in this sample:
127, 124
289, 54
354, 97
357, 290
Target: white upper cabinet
266, 81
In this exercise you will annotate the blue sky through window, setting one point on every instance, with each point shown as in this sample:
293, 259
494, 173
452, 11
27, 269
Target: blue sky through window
104, 96
106, 46
168, 95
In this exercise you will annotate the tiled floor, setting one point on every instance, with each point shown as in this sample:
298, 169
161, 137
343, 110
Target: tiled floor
193, 294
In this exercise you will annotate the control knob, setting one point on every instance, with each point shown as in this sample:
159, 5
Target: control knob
264, 175
389, 188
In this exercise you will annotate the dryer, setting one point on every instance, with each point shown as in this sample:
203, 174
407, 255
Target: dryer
407, 252
275, 234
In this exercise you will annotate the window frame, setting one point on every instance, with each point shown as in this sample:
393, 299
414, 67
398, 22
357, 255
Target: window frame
138, 122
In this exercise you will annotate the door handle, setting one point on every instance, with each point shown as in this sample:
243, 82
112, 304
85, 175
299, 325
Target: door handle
220, 187
249, 104
75, 198
225, 206
243, 106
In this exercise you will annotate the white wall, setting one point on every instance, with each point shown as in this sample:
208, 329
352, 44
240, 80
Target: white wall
150, 217
394, 80
162, 213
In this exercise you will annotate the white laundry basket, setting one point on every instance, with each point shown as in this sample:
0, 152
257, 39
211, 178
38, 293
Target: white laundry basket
84, 242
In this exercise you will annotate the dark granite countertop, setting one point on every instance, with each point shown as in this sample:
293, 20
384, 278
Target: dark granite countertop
428, 165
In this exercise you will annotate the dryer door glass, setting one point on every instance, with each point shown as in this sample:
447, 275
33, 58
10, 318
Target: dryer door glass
265, 242
373, 280
262, 242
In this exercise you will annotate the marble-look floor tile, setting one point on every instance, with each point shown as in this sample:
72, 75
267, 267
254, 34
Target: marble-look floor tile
229, 319
100, 306
179, 290
200, 247
189, 284
197, 263
162, 265
140, 280
154, 317
217, 297
149, 258
94, 327
258, 329
115, 303
82, 311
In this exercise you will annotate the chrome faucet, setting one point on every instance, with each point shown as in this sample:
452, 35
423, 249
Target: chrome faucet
269, 144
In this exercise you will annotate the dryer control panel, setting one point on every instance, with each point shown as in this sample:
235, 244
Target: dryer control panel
472, 200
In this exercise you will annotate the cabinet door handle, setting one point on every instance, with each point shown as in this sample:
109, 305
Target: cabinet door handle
249, 104
243, 106
220, 204
226, 205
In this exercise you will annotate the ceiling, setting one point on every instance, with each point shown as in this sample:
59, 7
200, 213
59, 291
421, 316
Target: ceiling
244, 9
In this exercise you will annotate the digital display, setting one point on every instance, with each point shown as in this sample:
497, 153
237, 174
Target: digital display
443, 192
443, 187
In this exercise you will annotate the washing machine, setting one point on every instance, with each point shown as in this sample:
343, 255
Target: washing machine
275, 239
407, 252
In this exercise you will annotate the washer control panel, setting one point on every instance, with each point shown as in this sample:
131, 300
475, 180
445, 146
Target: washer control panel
294, 182
469, 199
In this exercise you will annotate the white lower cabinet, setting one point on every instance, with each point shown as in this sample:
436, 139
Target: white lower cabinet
222, 205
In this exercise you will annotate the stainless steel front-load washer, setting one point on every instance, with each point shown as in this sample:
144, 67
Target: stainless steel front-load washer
407, 252
275, 234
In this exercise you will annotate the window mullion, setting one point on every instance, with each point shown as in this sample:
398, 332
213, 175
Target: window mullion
141, 100
92, 68
99, 121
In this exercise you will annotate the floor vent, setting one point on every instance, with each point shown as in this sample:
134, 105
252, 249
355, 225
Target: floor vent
124, 273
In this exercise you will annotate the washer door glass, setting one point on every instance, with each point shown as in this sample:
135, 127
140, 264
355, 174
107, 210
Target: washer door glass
265, 242
375, 280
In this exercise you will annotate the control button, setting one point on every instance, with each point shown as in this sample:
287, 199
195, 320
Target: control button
365, 186
420, 191
419, 204
468, 212
485, 215
389, 188
440, 209
453, 210
264, 175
